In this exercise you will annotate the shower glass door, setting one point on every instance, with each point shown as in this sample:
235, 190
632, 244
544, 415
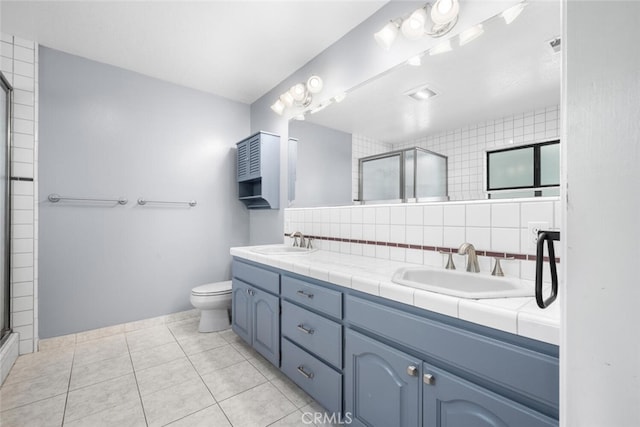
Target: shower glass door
5, 134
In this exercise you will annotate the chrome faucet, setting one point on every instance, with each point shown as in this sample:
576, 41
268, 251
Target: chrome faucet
472, 258
295, 237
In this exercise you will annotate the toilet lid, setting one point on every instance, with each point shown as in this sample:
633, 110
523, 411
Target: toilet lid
217, 288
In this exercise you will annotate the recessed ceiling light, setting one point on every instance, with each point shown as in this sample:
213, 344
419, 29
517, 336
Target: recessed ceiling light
421, 93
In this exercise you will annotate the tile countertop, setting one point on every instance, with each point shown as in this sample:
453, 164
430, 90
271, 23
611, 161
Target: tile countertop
520, 316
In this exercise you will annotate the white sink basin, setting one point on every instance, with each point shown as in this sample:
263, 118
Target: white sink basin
462, 284
282, 250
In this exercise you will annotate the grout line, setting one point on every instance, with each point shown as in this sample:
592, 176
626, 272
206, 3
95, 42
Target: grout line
135, 377
66, 400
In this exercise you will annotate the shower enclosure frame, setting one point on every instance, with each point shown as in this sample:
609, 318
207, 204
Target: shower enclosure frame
5, 325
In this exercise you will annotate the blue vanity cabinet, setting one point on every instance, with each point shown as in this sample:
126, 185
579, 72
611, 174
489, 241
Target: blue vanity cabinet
256, 309
381, 384
312, 339
450, 401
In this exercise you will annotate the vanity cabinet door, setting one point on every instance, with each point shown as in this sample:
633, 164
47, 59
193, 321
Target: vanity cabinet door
241, 309
266, 325
381, 384
450, 401
256, 319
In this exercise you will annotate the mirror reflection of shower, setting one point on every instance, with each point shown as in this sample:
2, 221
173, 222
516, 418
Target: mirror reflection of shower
5, 138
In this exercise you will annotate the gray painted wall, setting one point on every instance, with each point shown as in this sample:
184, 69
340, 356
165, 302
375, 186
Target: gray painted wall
323, 165
107, 132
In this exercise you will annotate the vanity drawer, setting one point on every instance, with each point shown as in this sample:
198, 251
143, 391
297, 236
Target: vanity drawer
319, 380
313, 296
256, 276
316, 334
522, 370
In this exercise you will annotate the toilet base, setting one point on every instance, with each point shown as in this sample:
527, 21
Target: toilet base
214, 320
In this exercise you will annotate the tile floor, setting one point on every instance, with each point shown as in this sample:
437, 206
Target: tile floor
166, 374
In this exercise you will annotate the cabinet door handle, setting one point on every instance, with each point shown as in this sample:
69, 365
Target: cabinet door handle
307, 375
428, 379
305, 330
304, 294
412, 371
250, 292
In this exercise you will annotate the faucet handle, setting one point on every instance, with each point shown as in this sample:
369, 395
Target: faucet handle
497, 268
309, 245
450, 265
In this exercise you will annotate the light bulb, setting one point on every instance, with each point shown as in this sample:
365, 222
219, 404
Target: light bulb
413, 26
387, 35
298, 92
286, 99
512, 13
444, 11
314, 84
278, 107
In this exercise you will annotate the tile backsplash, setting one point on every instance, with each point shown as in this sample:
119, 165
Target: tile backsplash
417, 233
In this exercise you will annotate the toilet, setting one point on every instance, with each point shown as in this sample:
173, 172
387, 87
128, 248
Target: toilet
214, 302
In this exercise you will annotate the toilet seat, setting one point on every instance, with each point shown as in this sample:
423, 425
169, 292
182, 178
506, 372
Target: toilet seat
210, 289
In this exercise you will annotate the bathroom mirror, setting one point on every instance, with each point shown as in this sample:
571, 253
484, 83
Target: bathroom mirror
499, 90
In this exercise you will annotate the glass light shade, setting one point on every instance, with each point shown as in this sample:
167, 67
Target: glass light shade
471, 34
387, 35
314, 84
287, 99
512, 13
278, 107
298, 92
413, 26
444, 11
443, 47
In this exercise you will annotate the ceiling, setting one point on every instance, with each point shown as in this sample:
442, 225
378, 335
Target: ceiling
509, 69
236, 49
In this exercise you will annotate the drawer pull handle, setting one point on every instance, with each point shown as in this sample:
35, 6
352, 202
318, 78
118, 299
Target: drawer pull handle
304, 294
428, 379
412, 371
307, 375
305, 330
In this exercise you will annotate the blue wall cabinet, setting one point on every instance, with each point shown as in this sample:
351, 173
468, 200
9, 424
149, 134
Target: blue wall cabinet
258, 171
450, 401
382, 385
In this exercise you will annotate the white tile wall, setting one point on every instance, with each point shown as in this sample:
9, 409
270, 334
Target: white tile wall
490, 225
19, 64
466, 147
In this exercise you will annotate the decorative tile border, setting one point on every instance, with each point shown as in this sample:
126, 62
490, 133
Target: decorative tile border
521, 257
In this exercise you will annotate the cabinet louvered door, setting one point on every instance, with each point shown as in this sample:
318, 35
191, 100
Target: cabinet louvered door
243, 161
254, 158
